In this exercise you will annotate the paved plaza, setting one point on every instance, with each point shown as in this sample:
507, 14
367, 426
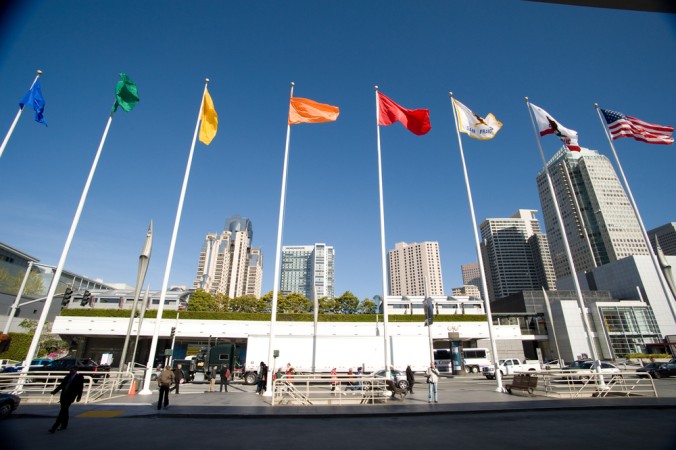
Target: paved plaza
469, 413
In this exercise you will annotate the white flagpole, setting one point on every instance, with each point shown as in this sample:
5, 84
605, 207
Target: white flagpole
382, 242
59, 268
653, 257
551, 322
571, 265
167, 271
16, 119
278, 257
487, 302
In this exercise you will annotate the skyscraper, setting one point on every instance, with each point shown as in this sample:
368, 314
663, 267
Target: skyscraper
308, 270
600, 223
471, 275
415, 269
227, 263
666, 236
515, 255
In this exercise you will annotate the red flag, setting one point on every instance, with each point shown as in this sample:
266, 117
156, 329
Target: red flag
417, 121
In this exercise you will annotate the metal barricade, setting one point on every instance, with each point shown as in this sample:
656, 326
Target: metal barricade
627, 383
37, 386
325, 389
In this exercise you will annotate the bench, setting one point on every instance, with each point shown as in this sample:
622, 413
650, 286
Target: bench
523, 382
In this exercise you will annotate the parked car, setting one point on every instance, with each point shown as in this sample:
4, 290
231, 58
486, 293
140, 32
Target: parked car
589, 367
7, 363
657, 370
35, 363
553, 364
82, 364
8, 403
397, 376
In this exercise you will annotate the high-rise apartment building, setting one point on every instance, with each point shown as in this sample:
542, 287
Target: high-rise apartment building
471, 275
600, 223
308, 270
227, 263
515, 255
415, 269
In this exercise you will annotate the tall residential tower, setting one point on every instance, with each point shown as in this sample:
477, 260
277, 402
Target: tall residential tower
228, 264
308, 270
415, 269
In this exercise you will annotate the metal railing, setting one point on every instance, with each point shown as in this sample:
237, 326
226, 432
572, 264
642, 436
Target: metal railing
562, 384
37, 387
324, 389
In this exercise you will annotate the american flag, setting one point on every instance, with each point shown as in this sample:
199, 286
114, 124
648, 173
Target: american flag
620, 126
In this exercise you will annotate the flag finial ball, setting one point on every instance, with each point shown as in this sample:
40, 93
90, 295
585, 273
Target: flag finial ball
450, 93
526, 99
206, 80
39, 72
293, 84
375, 87
596, 105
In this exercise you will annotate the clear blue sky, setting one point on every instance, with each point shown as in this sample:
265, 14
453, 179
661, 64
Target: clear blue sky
490, 54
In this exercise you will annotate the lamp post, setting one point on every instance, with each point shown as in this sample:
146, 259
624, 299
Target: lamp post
143, 260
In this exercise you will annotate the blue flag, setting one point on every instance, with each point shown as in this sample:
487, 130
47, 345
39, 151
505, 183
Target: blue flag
36, 101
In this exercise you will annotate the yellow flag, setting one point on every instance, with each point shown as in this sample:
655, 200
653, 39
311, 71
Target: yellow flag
209, 119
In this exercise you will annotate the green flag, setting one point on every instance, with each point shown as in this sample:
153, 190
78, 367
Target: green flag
126, 94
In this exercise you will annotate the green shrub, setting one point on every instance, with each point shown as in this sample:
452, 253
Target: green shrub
18, 348
281, 317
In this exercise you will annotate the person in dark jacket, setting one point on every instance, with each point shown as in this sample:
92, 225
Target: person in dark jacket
225, 377
178, 377
164, 382
410, 378
71, 390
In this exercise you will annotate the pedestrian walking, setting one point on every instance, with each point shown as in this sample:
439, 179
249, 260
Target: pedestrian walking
179, 377
432, 375
410, 378
71, 390
212, 378
334, 380
164, 381
225, 377
262, 379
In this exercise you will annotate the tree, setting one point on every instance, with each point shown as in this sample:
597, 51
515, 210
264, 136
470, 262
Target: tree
294, 303
49, 343
347, 303
12, 283
367, 306
222, 301
201, 300
328, 306
247, 303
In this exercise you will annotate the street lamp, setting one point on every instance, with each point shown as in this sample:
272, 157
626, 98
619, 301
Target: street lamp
143, 260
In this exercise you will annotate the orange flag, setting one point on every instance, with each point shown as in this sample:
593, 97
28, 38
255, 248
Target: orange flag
304, 110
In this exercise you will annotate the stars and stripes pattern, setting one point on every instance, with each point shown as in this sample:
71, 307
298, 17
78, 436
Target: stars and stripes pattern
621, 126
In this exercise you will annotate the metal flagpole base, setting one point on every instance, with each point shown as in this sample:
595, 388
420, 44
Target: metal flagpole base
145, 392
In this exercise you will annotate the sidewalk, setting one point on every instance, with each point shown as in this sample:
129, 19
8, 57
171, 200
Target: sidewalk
455, 396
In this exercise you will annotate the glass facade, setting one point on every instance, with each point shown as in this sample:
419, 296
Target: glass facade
629, 329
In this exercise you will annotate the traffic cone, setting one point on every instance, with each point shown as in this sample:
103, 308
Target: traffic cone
132, 388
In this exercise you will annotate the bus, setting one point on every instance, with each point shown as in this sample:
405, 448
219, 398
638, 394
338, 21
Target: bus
475, 359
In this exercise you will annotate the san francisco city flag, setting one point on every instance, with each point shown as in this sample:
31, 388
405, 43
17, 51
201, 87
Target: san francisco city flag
304, 110
209, 125
474, 125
